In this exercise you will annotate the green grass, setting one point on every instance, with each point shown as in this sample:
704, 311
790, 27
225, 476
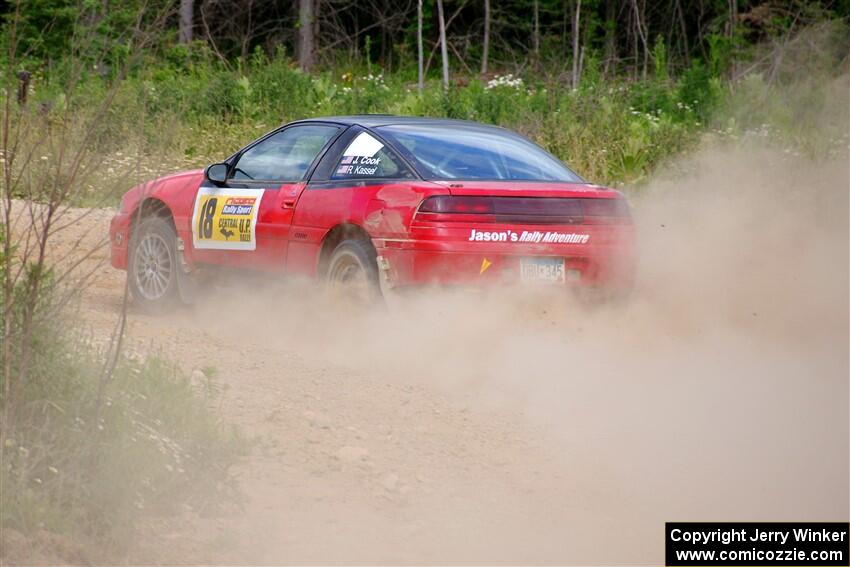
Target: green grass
87, 462
190, 110
186, 109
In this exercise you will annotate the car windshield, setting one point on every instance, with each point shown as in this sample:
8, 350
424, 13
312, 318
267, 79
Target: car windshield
475, 152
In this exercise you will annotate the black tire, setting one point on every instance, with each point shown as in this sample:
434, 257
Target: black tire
153, 265
353, 270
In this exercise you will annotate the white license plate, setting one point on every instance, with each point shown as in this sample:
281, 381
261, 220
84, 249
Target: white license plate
544, 270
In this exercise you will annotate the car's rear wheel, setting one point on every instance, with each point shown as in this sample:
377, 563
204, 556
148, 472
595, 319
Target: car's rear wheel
153, 265
353, 271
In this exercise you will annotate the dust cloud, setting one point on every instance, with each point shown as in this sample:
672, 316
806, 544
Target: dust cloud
717, 392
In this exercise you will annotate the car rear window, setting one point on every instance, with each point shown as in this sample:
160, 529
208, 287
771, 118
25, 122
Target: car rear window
475, 153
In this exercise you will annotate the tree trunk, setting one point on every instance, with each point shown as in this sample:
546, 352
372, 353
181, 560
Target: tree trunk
306, 47
420, 55
733, 17
684, 35
444, 51
187, 13
610, 35
383, 57
486, 49
576, 54
317, 7
535, 35
640, 28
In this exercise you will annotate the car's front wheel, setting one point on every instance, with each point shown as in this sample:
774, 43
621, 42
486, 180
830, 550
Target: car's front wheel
153, 264
353, 271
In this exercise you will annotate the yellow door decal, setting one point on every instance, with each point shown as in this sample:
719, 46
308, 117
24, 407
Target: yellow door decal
225, 218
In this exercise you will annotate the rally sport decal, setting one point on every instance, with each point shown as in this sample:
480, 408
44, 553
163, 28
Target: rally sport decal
225, 218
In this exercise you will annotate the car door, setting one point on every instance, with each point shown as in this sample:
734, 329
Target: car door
247, 221
359, 180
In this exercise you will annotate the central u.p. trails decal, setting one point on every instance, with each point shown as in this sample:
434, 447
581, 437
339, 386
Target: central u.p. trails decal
226, 219
529, 236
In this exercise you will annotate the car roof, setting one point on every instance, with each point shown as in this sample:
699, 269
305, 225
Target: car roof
375, 120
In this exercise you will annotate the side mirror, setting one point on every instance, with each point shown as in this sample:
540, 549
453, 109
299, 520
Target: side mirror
216, 173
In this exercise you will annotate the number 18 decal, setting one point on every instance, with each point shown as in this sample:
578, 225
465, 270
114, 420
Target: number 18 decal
225, 219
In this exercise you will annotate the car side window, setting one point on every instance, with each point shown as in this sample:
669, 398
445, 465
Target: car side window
366, 157
285, 155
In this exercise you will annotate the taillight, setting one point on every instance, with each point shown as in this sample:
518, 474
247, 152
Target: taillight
448, 208
523, 210
447, 204
538, 210
606, 211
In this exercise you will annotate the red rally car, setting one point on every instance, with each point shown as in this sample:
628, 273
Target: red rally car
377, 202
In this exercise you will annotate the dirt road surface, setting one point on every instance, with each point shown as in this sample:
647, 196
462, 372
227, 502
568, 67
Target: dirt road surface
527, 428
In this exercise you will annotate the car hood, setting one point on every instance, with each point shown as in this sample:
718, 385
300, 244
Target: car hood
162, 188
179, 175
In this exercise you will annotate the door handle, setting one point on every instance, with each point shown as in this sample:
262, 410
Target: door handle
288, 201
